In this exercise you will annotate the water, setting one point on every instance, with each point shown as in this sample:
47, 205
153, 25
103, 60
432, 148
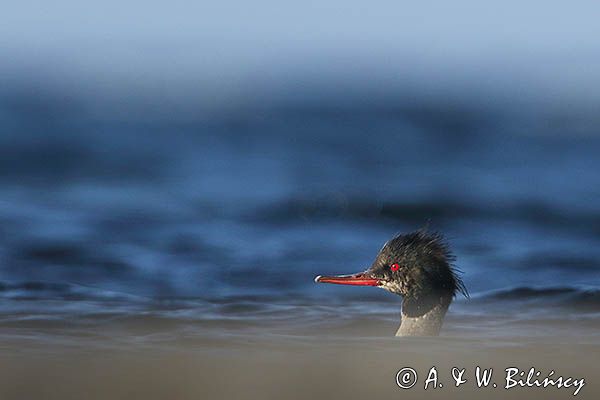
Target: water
195, 233
195, 219
173, 176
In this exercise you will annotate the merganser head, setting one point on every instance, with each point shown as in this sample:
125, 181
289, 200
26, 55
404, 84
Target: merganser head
418, 267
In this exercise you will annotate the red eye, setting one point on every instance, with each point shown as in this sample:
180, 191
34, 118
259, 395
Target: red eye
394, 267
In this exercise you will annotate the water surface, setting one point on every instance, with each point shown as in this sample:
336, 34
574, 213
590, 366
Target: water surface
202, 236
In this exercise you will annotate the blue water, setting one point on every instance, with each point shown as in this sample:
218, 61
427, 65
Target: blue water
231, 215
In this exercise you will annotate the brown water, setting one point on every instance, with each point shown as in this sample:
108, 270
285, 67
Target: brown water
154, 358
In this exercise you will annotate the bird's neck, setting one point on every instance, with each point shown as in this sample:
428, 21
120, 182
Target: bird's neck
428, 323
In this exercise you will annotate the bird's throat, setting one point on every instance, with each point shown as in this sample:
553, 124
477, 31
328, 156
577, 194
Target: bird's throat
428, 323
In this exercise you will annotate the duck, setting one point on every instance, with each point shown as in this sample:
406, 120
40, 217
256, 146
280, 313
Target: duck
419, 267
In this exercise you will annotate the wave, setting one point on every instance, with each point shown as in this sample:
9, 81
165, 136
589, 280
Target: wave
338, 207
572, 298
42, 290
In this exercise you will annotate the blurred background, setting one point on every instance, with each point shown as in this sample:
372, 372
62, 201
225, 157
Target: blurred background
173, 175
191, 166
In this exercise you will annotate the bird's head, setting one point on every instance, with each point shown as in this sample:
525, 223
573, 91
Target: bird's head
417, 266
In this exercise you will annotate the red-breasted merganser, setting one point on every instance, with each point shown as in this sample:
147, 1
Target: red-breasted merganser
419, 267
